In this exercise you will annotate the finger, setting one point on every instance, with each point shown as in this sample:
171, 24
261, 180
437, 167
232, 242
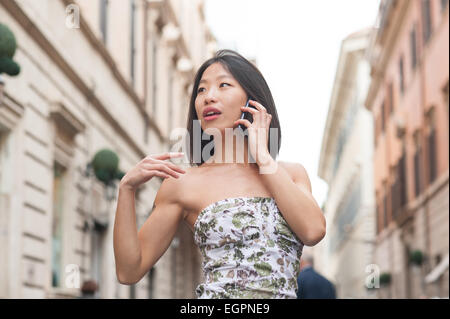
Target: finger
166, 155
171, 165
162, 168
249, 109
246, 123
168, 170
261, 118
158, 173
269, 119
259, 106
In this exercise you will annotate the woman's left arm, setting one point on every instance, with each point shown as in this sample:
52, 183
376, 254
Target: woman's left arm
293, 196
296, 203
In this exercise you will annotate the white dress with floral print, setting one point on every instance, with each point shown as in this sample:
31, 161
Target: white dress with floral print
248, 250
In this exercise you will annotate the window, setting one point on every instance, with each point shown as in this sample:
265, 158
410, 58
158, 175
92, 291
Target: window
347, 211
402, 178
432, 147
377, 128
417, 164
413, 43
427, 23
59, 173
378, 223
391, 98
170, 102
385, 215
339, 149
133, 41
104, 19
401, 75
98, 238
154, 77
394, 190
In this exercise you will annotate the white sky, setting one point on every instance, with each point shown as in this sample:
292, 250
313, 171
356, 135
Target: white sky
296, 44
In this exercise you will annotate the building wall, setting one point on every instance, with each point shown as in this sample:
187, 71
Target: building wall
423, 89
75, 96
347, 251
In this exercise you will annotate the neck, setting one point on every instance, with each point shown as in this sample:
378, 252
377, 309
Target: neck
231, 154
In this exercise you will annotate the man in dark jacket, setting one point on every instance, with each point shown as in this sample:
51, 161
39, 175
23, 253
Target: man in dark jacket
312, 285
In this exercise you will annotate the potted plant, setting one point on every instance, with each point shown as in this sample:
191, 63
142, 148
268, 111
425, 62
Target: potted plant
385, 279
105, 166
416, 257
89, 288
8, 47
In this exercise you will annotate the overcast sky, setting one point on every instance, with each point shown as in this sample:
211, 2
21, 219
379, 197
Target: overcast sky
296, 45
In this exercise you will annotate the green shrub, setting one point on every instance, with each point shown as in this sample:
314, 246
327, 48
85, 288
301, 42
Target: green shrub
416, 257
7, 50
385, 278
105, 165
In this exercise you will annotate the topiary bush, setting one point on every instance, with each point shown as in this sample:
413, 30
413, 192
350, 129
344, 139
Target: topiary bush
385, 278
7, 50
105, 165
416, 257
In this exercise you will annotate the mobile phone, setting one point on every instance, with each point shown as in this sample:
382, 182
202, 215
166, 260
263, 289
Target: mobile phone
246, 115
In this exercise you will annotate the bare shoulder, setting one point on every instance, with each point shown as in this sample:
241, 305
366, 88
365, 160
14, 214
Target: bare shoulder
169, 191
174, 190
297, 172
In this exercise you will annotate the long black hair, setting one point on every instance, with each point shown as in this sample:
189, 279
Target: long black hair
253, 83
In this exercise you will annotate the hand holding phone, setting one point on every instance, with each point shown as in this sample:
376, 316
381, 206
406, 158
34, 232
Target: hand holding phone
247, 116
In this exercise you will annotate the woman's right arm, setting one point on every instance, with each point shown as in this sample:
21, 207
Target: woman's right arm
135, 253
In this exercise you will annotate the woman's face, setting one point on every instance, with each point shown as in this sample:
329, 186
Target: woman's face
219, 89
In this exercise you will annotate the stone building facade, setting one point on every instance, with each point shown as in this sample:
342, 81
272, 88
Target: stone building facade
346, 165
95, 74
408, 97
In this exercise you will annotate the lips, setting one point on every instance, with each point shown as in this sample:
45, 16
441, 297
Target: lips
211, 117
210, 109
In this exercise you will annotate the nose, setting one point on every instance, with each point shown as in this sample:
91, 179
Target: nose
210, 96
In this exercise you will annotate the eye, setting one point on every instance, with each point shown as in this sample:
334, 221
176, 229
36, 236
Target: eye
199, 89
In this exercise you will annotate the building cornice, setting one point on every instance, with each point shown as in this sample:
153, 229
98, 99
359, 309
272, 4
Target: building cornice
352, 50
29, 26
383, 45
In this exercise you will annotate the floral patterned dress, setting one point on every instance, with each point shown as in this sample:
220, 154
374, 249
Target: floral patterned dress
248, 250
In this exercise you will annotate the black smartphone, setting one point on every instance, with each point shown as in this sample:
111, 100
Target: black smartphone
246, 115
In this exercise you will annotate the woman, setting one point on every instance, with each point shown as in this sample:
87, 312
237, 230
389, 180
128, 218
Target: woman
250, 214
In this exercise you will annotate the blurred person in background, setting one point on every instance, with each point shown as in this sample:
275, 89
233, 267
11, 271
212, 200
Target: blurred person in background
312, 285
